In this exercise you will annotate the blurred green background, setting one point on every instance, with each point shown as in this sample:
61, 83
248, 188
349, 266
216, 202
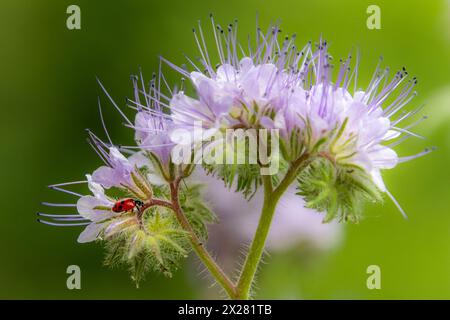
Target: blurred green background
48, 97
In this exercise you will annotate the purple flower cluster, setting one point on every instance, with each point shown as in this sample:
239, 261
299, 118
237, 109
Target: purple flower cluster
279, 86
273, 85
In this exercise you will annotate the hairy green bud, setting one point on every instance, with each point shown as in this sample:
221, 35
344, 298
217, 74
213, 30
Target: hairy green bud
339, 191
157, 244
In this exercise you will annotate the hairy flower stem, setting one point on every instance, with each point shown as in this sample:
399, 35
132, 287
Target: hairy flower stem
215, 270
271, 198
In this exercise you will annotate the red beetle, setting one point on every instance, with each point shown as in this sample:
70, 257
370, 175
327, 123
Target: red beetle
126, 205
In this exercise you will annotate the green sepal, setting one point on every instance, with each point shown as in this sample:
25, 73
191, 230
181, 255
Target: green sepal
157, 245
339, 191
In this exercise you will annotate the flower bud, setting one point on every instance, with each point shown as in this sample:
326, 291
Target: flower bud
338, 191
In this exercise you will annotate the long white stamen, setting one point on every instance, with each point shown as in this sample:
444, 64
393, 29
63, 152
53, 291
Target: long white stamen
63, 224
418, 155
49, 204
175, 67
103, 121
149, 146
216, 39
63, 218
408, 132
100, 155
112, 101
41, 214
67, 183
66, 191
397, 204
396, 143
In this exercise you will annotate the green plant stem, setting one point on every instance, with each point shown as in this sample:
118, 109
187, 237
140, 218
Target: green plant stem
215, 270
271, 198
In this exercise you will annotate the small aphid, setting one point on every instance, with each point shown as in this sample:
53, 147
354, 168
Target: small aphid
127, 205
